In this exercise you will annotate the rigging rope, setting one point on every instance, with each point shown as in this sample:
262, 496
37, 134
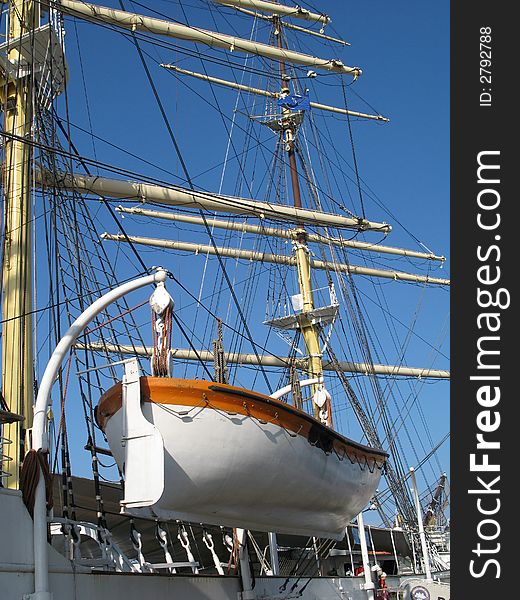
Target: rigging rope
192, 187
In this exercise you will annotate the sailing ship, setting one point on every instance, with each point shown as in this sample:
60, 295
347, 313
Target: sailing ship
238, 438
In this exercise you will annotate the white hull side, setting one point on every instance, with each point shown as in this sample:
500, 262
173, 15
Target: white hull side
235, 471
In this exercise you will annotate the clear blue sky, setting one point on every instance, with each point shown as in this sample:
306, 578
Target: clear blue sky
403, 49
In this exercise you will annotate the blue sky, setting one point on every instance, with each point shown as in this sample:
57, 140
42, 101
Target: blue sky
403, 49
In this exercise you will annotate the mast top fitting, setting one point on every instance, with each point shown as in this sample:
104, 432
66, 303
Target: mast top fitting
40, 54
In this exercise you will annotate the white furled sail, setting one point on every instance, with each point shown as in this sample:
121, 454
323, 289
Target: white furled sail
177, 196
281, 233
278, 9
136, 22
267, 94
275, 258
241, 358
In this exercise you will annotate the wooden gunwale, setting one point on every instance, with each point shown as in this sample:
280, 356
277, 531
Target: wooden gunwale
235, 400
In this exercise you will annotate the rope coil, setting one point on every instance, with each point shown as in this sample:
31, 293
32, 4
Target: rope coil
34, 463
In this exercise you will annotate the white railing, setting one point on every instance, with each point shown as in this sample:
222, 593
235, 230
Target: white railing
6, 418
4, 460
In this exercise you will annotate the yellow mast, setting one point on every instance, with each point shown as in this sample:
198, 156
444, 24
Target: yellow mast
310, 330
17, 346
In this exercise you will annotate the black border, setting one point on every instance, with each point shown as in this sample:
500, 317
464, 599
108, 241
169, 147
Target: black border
475, 129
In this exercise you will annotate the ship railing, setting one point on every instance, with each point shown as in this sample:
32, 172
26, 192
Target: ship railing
435, 558
439, 536
111, 556
4, 460
436, 562
40, 53
6, 418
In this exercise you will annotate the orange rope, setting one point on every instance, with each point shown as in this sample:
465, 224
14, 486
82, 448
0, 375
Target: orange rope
116, 317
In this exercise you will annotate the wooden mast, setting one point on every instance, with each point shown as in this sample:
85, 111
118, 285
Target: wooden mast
310, 331
17, 326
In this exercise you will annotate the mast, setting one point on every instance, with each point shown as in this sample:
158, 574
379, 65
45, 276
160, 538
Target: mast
310, 331
17, 350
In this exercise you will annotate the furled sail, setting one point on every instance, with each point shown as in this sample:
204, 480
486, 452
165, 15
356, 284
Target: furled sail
177, 196
278, 9
135, 22
276, 259
241, 358
267, 94
281, 233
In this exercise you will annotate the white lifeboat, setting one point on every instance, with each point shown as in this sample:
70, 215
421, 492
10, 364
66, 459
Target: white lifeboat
237, 458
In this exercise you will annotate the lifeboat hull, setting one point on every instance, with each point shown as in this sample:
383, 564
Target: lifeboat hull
240, 459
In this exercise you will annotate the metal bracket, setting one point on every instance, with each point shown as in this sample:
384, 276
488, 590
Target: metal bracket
144, 449
37, 51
